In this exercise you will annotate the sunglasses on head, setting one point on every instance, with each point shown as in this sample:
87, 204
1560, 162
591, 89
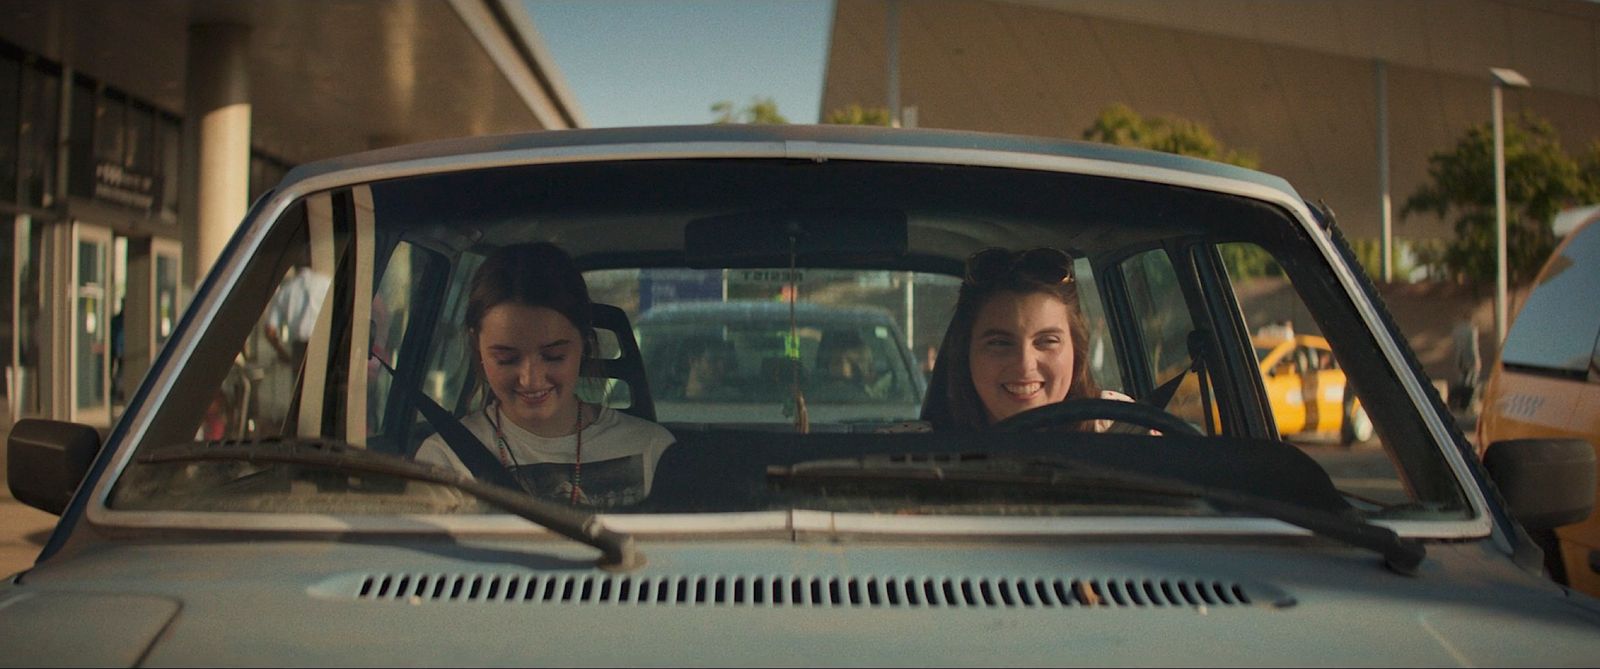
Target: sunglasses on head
1042, 264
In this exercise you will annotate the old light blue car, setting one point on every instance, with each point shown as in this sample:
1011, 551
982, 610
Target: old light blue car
262, 502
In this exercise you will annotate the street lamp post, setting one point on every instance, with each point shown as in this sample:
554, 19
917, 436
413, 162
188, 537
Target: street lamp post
1503, 78
893, 43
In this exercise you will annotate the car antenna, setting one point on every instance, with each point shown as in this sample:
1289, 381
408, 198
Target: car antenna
802, 421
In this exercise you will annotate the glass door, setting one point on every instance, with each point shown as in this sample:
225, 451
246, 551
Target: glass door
91, 325
168, 254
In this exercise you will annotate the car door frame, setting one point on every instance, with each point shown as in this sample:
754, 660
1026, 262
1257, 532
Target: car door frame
1212, 309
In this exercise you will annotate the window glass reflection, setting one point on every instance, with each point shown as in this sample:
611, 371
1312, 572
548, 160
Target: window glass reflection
1556, 329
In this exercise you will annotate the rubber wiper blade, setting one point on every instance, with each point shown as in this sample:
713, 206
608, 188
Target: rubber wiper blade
1401, 555
617, 549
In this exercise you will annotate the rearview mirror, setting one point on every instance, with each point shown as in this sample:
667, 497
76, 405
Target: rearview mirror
1547, 483
815, 236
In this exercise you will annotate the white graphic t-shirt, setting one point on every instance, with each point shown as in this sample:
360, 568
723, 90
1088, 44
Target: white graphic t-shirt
619, 458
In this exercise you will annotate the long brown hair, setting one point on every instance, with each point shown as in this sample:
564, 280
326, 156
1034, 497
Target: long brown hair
953, 402
535, 274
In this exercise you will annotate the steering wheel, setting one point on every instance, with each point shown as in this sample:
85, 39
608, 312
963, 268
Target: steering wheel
1067, 412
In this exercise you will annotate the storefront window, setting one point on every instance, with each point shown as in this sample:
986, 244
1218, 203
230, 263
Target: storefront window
29, 325
80, 143
170, 132
10, 122
41, 98
91, 329
166, 316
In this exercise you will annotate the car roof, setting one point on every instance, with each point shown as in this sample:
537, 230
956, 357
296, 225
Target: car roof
800, 141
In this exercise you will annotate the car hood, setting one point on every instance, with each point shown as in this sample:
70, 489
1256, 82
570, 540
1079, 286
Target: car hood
755, 603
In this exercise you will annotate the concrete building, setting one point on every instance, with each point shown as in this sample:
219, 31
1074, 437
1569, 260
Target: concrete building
134, 135
1311, 87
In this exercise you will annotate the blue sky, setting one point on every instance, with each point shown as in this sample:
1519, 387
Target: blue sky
665, 62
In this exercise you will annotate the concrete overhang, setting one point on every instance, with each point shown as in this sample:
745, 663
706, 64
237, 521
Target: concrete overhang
328, 77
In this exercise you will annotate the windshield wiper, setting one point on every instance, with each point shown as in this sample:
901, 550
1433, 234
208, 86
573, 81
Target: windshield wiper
617, 549
1401, 555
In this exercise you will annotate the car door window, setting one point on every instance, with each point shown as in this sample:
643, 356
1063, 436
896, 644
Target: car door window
1162, 317
1311, 404
391, 318
1555, 332
449, 359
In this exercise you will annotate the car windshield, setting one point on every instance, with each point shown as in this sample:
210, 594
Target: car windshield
770, 314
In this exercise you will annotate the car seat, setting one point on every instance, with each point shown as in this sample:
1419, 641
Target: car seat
628, 367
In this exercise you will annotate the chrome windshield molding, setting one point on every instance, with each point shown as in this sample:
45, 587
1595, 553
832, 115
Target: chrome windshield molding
753, 522
1474, 528
203, 310
224, 275
537, 156
1094, 525
254, 230
1267, 189
1281, 194
1011, 526
444, 524
1410, 381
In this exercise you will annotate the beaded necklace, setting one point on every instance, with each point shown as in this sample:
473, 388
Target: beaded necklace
510, 461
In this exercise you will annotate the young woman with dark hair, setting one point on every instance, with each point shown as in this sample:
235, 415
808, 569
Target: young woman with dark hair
1018, 340
529, 322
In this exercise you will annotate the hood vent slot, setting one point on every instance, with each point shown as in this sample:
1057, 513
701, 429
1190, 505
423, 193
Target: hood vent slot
811, 591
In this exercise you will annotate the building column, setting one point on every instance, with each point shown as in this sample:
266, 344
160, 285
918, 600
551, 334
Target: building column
217, 128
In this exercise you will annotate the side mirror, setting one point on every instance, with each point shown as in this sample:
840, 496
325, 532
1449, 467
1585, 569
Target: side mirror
47, 459
1547, 483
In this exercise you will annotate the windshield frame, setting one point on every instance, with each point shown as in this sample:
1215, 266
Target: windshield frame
132, 428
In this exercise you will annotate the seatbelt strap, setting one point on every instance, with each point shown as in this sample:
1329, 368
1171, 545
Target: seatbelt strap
466, 446
1161, 396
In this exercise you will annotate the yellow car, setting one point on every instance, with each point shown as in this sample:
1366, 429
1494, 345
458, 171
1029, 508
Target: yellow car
1545, 384
1306, 389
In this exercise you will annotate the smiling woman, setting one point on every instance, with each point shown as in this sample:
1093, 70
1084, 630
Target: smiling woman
1014, 342
530, 323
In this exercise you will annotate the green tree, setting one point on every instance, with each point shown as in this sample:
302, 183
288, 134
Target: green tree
1248, 261
1589, 164
1119, 124
855, 114
1541, 180
760, 111
1409, 256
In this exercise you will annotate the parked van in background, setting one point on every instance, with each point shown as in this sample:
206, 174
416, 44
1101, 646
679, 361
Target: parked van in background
1546, 382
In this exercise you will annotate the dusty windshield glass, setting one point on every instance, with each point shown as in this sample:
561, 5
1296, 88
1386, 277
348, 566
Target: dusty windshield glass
714, 348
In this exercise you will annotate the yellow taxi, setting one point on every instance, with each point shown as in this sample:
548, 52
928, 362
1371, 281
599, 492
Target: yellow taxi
1306, 389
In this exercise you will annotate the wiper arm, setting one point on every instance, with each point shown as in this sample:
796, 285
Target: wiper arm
617, 549
1401, 555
